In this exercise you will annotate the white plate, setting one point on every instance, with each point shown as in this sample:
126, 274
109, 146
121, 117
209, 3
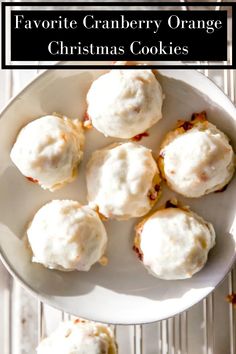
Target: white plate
122, 292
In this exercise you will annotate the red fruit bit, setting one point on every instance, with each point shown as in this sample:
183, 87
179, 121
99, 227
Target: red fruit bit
162, 154
231, 298
86, 117
199, 116
139, 254
152, 196
187, 125
77, 321
222, 189
32, 180
139, 136
87, 121
169, 204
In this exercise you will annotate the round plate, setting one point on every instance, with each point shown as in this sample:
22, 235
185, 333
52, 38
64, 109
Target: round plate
121, 292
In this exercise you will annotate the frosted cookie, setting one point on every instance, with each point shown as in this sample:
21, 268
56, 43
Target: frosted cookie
123, 180
196, 158
125, 103
80, 337
65, 235
174, 242
48, 150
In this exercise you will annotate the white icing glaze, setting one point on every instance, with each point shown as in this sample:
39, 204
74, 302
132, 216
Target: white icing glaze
85, 337
199, 161
65, 235
175, 243
119, 179
48, 150
125, 103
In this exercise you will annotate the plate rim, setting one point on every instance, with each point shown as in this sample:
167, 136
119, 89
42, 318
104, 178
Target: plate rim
47, 300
